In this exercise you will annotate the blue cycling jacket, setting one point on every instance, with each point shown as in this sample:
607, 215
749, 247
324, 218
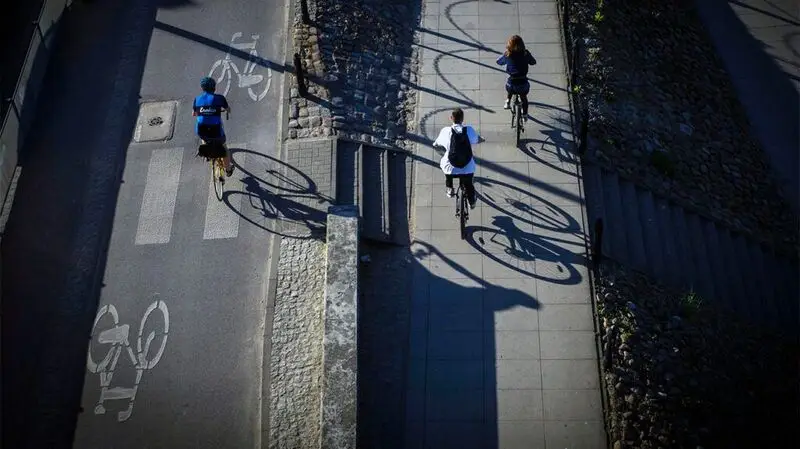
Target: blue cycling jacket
208, 108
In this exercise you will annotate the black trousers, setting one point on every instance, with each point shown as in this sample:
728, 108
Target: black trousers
466, 180
524, 98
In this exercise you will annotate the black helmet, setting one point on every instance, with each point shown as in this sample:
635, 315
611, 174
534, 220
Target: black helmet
208, 84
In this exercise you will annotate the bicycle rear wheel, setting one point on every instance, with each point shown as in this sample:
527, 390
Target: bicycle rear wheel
518, 118
464, 211
218, 177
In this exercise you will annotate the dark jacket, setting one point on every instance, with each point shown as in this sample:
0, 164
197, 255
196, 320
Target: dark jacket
517, 65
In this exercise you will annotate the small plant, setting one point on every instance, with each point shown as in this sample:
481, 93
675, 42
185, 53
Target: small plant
576, 89
598, 15
662, 162
691, 304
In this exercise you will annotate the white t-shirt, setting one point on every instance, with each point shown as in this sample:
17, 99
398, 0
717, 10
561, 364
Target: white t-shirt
444, 141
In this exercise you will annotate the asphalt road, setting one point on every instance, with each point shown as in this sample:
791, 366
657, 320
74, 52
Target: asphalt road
123, 244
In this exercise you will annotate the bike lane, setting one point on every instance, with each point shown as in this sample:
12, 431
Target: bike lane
175, 354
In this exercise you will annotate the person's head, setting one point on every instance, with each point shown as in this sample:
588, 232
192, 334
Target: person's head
514, 45
457, 116
208, 84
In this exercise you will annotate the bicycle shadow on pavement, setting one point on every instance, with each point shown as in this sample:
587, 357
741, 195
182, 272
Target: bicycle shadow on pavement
282, 200
457, 373
520, 204
274, 173
533, 255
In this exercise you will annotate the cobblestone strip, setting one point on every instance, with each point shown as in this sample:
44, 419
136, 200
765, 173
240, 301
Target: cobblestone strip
296, 360
362, 71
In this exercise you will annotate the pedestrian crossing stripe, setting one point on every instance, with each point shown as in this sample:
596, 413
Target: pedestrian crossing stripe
222, 217
160, 196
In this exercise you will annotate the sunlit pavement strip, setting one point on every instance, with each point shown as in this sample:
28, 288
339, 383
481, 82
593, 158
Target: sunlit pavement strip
160, 193
222, 217
502, 351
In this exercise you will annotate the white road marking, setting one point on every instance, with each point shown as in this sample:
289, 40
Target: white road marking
245, 76
117, 337
222, 220
160, 193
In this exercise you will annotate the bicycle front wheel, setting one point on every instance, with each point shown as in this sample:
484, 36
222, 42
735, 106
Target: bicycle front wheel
218, 177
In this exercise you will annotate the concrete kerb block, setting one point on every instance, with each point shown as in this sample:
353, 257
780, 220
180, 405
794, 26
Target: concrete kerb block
339, 359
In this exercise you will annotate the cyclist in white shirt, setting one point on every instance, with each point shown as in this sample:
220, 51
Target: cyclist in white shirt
458, 161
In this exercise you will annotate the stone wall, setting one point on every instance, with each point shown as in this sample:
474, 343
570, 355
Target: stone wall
362, 70
680, 374
296, 358
663, 112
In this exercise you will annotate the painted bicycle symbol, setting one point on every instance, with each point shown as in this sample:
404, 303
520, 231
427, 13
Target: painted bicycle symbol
142, 358
245, 77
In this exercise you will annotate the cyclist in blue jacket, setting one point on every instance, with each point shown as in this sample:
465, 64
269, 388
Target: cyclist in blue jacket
517, 59
208, 108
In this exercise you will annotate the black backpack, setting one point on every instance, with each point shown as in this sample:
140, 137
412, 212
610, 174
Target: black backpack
460, 149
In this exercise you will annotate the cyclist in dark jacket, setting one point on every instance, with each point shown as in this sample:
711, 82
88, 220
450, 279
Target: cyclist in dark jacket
517, 59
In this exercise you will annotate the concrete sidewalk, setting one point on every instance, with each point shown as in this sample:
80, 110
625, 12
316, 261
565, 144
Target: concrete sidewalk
502, 348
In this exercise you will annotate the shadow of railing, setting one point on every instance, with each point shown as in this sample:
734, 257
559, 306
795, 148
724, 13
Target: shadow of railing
770, 99
58, 234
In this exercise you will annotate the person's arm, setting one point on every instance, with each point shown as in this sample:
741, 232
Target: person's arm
473, 135
502, 60
443, 138
225, 106
531, 59
194, 107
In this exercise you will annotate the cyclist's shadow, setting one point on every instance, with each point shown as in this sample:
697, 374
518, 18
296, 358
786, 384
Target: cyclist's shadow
277, 208
523, 248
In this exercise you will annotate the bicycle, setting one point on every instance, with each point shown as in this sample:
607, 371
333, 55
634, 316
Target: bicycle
218, 175
516, 116
215, 152
462, 207
462, 203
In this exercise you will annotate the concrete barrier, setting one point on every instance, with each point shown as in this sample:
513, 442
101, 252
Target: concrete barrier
339, 359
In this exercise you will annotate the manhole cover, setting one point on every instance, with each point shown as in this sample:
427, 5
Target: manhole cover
156, 121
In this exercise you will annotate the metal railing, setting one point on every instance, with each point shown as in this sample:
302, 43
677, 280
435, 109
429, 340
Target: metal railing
575, 56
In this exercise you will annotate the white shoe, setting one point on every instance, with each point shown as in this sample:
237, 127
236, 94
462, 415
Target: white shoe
450, 192
507, 104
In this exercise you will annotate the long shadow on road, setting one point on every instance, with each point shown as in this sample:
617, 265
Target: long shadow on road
57, 236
